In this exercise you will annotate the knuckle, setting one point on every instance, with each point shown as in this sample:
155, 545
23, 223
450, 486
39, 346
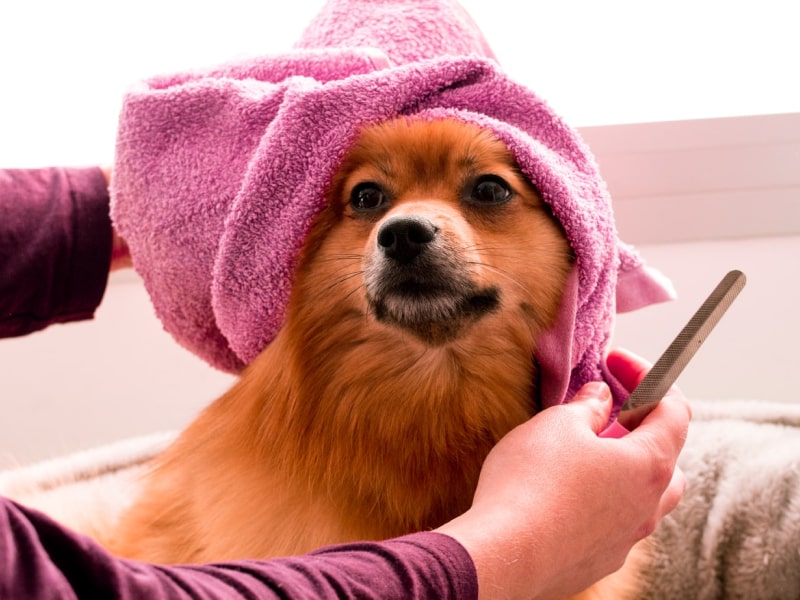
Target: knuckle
661, 468
660, 464
647, 528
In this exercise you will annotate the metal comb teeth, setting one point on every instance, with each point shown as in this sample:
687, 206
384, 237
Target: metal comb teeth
660, 378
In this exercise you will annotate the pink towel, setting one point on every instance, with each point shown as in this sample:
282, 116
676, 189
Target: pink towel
219, 173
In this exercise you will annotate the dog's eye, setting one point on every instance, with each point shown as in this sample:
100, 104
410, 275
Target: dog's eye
490, 189
367, 196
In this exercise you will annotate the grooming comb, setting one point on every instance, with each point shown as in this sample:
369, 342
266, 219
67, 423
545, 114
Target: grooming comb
660, 378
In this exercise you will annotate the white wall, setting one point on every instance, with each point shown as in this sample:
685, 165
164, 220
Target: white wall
79, 385
64, 64
753, 352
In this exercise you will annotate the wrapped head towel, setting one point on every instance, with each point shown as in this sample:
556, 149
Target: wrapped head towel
219, 173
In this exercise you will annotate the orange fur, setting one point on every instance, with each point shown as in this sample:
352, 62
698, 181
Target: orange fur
351, 426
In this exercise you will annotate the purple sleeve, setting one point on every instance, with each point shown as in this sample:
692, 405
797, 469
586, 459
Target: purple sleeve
41, 560
55, 246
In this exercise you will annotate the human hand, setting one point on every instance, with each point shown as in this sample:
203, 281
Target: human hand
120, 253
557, 507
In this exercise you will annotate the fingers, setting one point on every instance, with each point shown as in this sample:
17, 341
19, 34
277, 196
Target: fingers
630, 369
658, 442
673, 493
667, 424
664, 429
627, 367
594, 397
667, 502
660, 435
120, 253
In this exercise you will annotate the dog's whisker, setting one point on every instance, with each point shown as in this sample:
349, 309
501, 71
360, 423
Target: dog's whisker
345, 268
353, 291
326, 292
516, 254
516, 251
509, 276
337, 257
334, 283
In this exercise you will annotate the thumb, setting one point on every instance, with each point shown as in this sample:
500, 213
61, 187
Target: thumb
595, 398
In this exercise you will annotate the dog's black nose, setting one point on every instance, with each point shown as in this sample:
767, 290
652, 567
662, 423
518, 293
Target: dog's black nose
404, 238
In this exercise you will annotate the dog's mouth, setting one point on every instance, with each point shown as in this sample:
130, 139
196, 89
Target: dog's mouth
435, 315
432, 300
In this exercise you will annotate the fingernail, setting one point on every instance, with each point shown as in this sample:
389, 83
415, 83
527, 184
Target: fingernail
597, 389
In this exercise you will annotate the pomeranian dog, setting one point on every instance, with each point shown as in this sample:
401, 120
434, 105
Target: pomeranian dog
406, 354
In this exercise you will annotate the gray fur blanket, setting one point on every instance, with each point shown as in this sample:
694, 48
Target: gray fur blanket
735, 534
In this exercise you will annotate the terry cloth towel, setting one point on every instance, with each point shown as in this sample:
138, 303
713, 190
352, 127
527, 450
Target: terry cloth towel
219, 173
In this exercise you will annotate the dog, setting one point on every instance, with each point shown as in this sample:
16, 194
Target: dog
406, 354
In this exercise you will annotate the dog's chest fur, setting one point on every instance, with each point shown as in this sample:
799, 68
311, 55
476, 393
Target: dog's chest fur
357, 447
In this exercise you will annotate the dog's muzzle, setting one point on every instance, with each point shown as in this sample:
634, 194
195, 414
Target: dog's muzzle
415, 279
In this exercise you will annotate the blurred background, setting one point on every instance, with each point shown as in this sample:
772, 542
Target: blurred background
691, 107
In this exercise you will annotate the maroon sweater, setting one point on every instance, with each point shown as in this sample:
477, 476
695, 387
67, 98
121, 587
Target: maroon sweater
55, 248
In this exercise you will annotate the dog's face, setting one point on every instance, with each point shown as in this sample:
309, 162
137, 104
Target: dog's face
432, 232
408, 346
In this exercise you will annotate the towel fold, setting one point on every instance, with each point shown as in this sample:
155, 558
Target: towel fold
219, 174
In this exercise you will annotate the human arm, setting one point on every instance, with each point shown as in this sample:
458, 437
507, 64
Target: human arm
56, 246
558, 508
41, 560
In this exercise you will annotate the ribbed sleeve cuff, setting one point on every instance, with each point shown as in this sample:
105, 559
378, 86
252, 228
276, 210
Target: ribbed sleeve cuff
86, 279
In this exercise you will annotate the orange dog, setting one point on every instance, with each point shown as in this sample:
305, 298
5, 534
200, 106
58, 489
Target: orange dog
405, 356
